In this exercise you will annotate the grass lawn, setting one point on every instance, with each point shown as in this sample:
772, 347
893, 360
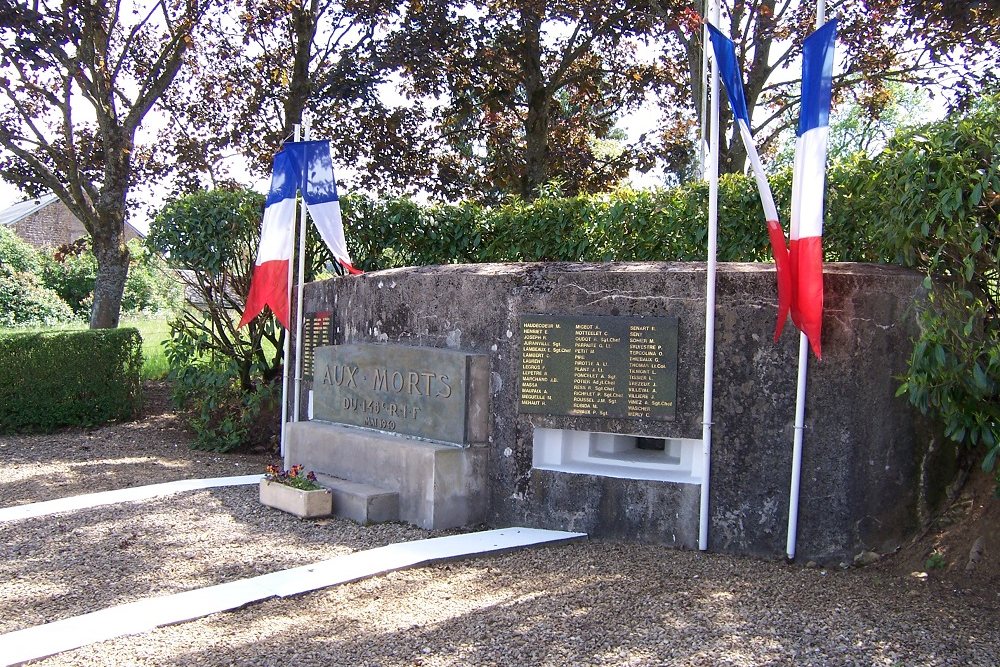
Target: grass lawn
153, 332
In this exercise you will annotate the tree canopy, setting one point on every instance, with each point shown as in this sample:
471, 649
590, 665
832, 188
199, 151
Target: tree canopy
78, 81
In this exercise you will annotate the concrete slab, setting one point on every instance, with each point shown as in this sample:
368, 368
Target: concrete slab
440, 486
121, 496
362, 503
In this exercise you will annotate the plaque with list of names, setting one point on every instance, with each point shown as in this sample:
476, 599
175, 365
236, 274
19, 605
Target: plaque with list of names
624, 367
317, 330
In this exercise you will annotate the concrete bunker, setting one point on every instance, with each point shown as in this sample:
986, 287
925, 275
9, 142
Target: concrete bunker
621, 464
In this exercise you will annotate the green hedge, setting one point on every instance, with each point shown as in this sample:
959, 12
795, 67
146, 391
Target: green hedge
627, 225
67, 378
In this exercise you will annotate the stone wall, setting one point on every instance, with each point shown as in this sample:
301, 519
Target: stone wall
54, 225
864, 447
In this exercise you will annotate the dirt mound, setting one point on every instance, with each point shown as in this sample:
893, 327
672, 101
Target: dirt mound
961, 547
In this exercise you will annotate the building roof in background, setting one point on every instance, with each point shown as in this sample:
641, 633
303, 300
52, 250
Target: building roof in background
22, 210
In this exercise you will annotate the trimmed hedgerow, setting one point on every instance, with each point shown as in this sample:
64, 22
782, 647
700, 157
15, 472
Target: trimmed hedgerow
626, 225
68, 378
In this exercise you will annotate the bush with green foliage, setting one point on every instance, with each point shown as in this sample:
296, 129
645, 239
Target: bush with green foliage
150, 287
937, 187
223, 376
68, 378
24, 302
223, 416
626, 225
16, 255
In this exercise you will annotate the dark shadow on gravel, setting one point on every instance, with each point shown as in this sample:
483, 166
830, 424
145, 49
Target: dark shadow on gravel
547, 607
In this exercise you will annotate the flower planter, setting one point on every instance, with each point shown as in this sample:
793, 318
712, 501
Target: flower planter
303, 504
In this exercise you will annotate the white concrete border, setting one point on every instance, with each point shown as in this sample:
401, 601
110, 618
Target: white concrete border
145, 615
120, 496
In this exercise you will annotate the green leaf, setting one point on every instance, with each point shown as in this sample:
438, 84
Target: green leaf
991, 459
980, 377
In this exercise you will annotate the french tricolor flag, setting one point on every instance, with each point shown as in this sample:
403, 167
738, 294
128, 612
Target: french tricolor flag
729, 72
304, 165
269, 283
319, 191
809, 183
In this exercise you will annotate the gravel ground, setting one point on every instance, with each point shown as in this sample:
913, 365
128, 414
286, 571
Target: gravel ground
587, 603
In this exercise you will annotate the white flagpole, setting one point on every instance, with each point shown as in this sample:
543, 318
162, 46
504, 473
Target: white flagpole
299, 287
288, 335
713, 225
800, 402
704, 93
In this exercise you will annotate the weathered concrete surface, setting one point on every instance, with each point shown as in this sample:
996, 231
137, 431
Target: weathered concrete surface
863, 446
439, 486
425, 392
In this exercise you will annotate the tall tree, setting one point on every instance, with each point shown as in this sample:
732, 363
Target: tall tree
260, 65
78, 81
917, 42
527, 89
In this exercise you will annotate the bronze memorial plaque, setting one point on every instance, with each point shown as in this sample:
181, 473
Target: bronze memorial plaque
317, 330
421, 391
599, 366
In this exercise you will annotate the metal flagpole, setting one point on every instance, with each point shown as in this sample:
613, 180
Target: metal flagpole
800, 402
713, 224
704, 93
284, 357
299, 287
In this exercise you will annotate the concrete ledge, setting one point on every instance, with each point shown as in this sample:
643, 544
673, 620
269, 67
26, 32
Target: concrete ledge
439, 486
362, 503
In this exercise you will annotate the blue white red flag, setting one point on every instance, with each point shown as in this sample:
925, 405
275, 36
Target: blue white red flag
729, 72
304, 165
809, 184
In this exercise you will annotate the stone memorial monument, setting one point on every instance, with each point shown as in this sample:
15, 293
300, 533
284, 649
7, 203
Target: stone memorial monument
569, 396
397, 432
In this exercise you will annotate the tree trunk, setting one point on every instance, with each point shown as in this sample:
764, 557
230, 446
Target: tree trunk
299, 85
536, 122
112, 271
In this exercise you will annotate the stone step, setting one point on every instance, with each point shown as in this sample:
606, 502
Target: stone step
440, 486
363, 503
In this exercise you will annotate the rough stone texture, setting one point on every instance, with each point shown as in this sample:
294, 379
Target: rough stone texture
54, 224
863, 448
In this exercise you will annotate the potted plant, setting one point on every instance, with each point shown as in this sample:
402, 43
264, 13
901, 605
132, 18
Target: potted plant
294, 492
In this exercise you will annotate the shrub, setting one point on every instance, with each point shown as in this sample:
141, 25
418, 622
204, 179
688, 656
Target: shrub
222, 414
25, 303
626, 225
65, 378
938, 190
16, 256
149, 288
222, 376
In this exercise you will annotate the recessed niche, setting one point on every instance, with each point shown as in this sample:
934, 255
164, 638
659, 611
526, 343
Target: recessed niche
618, 455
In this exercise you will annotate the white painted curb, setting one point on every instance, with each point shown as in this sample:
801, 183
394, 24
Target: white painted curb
120, 496
144, 615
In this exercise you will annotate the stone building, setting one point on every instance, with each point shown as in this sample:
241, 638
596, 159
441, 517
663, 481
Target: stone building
46, 222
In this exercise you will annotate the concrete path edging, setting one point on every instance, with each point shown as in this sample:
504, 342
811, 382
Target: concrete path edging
147, 614
88, 500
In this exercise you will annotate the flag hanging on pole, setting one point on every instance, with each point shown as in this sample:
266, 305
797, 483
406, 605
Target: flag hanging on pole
269, 282
320, 195
725, 55
304, 165
809, 182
